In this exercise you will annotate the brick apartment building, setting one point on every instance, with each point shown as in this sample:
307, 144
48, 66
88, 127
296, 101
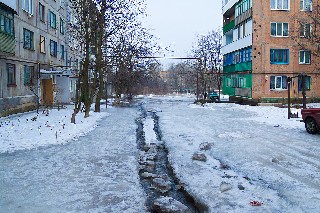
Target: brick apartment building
260, 53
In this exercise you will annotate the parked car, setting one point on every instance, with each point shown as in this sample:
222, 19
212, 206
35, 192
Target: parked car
213, 96
311, 118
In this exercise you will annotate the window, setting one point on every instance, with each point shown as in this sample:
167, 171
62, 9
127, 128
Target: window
279, 56
243, 6
305, 30
53, 48
27, 39
279, 4
278, 82
306, 5
304, 57
27, 5
6, 22
42, 12
61, 26
28, 75
62, 51
307, 83
11, 70
279, 29
42, 44
53, 20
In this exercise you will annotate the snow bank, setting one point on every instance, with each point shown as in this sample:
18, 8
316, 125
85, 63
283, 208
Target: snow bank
32, 130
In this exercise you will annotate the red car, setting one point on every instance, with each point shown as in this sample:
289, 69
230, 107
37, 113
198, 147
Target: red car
311, 118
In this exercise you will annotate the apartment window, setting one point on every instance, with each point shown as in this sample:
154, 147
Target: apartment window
41, 12
28, 75
306, 5
305, 30
278, 82
27, 5
241, 82
62, 51
279, 4
304, 57
61, 26
307, 83
11, 71
53, 48
243, 6
42, 44
279, 56
6, 22
27, 39
53, 20
279, 29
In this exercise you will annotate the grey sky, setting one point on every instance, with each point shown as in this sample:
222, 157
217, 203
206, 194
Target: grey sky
177, 22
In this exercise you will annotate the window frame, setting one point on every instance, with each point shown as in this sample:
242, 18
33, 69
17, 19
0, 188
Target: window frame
62, 51
285, 55
28, 43
13, 81
304, 57
7, 22
305, 30
28, 75
53, 48
42, 11
276, 4
304, 7
61, 26
283, 82
27, 6
52, 20
282, 29
308, 83
42, 44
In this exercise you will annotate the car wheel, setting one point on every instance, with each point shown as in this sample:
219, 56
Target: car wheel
311, 126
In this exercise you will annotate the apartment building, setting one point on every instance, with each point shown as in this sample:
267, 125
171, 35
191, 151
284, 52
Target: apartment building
37, 54
260, 52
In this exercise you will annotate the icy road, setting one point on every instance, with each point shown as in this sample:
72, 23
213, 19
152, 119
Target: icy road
258, 162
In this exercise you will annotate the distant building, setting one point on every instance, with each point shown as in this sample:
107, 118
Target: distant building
36, 54
259, 52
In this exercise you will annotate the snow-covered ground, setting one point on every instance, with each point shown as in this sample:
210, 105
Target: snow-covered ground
53, 126
258, 156
260, 160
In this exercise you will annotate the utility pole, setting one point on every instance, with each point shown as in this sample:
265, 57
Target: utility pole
304, 96
289, 79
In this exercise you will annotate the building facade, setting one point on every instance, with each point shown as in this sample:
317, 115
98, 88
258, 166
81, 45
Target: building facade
36, 53
260, 52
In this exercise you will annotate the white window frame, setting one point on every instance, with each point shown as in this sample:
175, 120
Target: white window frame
304, 57
282, 4
305, 34
282, 29
27, 5
306, 5
281, 79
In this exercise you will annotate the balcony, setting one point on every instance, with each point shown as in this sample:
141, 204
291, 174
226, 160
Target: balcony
227, 5
228, 26
7, 44
238, 44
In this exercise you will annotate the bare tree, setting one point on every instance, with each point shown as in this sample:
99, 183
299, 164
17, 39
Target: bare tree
208, 49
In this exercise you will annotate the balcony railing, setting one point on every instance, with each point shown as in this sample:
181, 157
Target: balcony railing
228, 26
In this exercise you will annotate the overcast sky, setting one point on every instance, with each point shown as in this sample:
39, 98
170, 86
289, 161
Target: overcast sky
177, 22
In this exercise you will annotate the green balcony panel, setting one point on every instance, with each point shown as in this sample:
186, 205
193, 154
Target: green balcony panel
228, 26
7, 43
246, 66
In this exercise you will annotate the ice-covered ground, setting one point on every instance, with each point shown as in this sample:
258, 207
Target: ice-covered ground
260, 161
258, 156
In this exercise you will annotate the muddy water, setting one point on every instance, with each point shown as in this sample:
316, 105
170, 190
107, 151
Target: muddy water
161, 168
